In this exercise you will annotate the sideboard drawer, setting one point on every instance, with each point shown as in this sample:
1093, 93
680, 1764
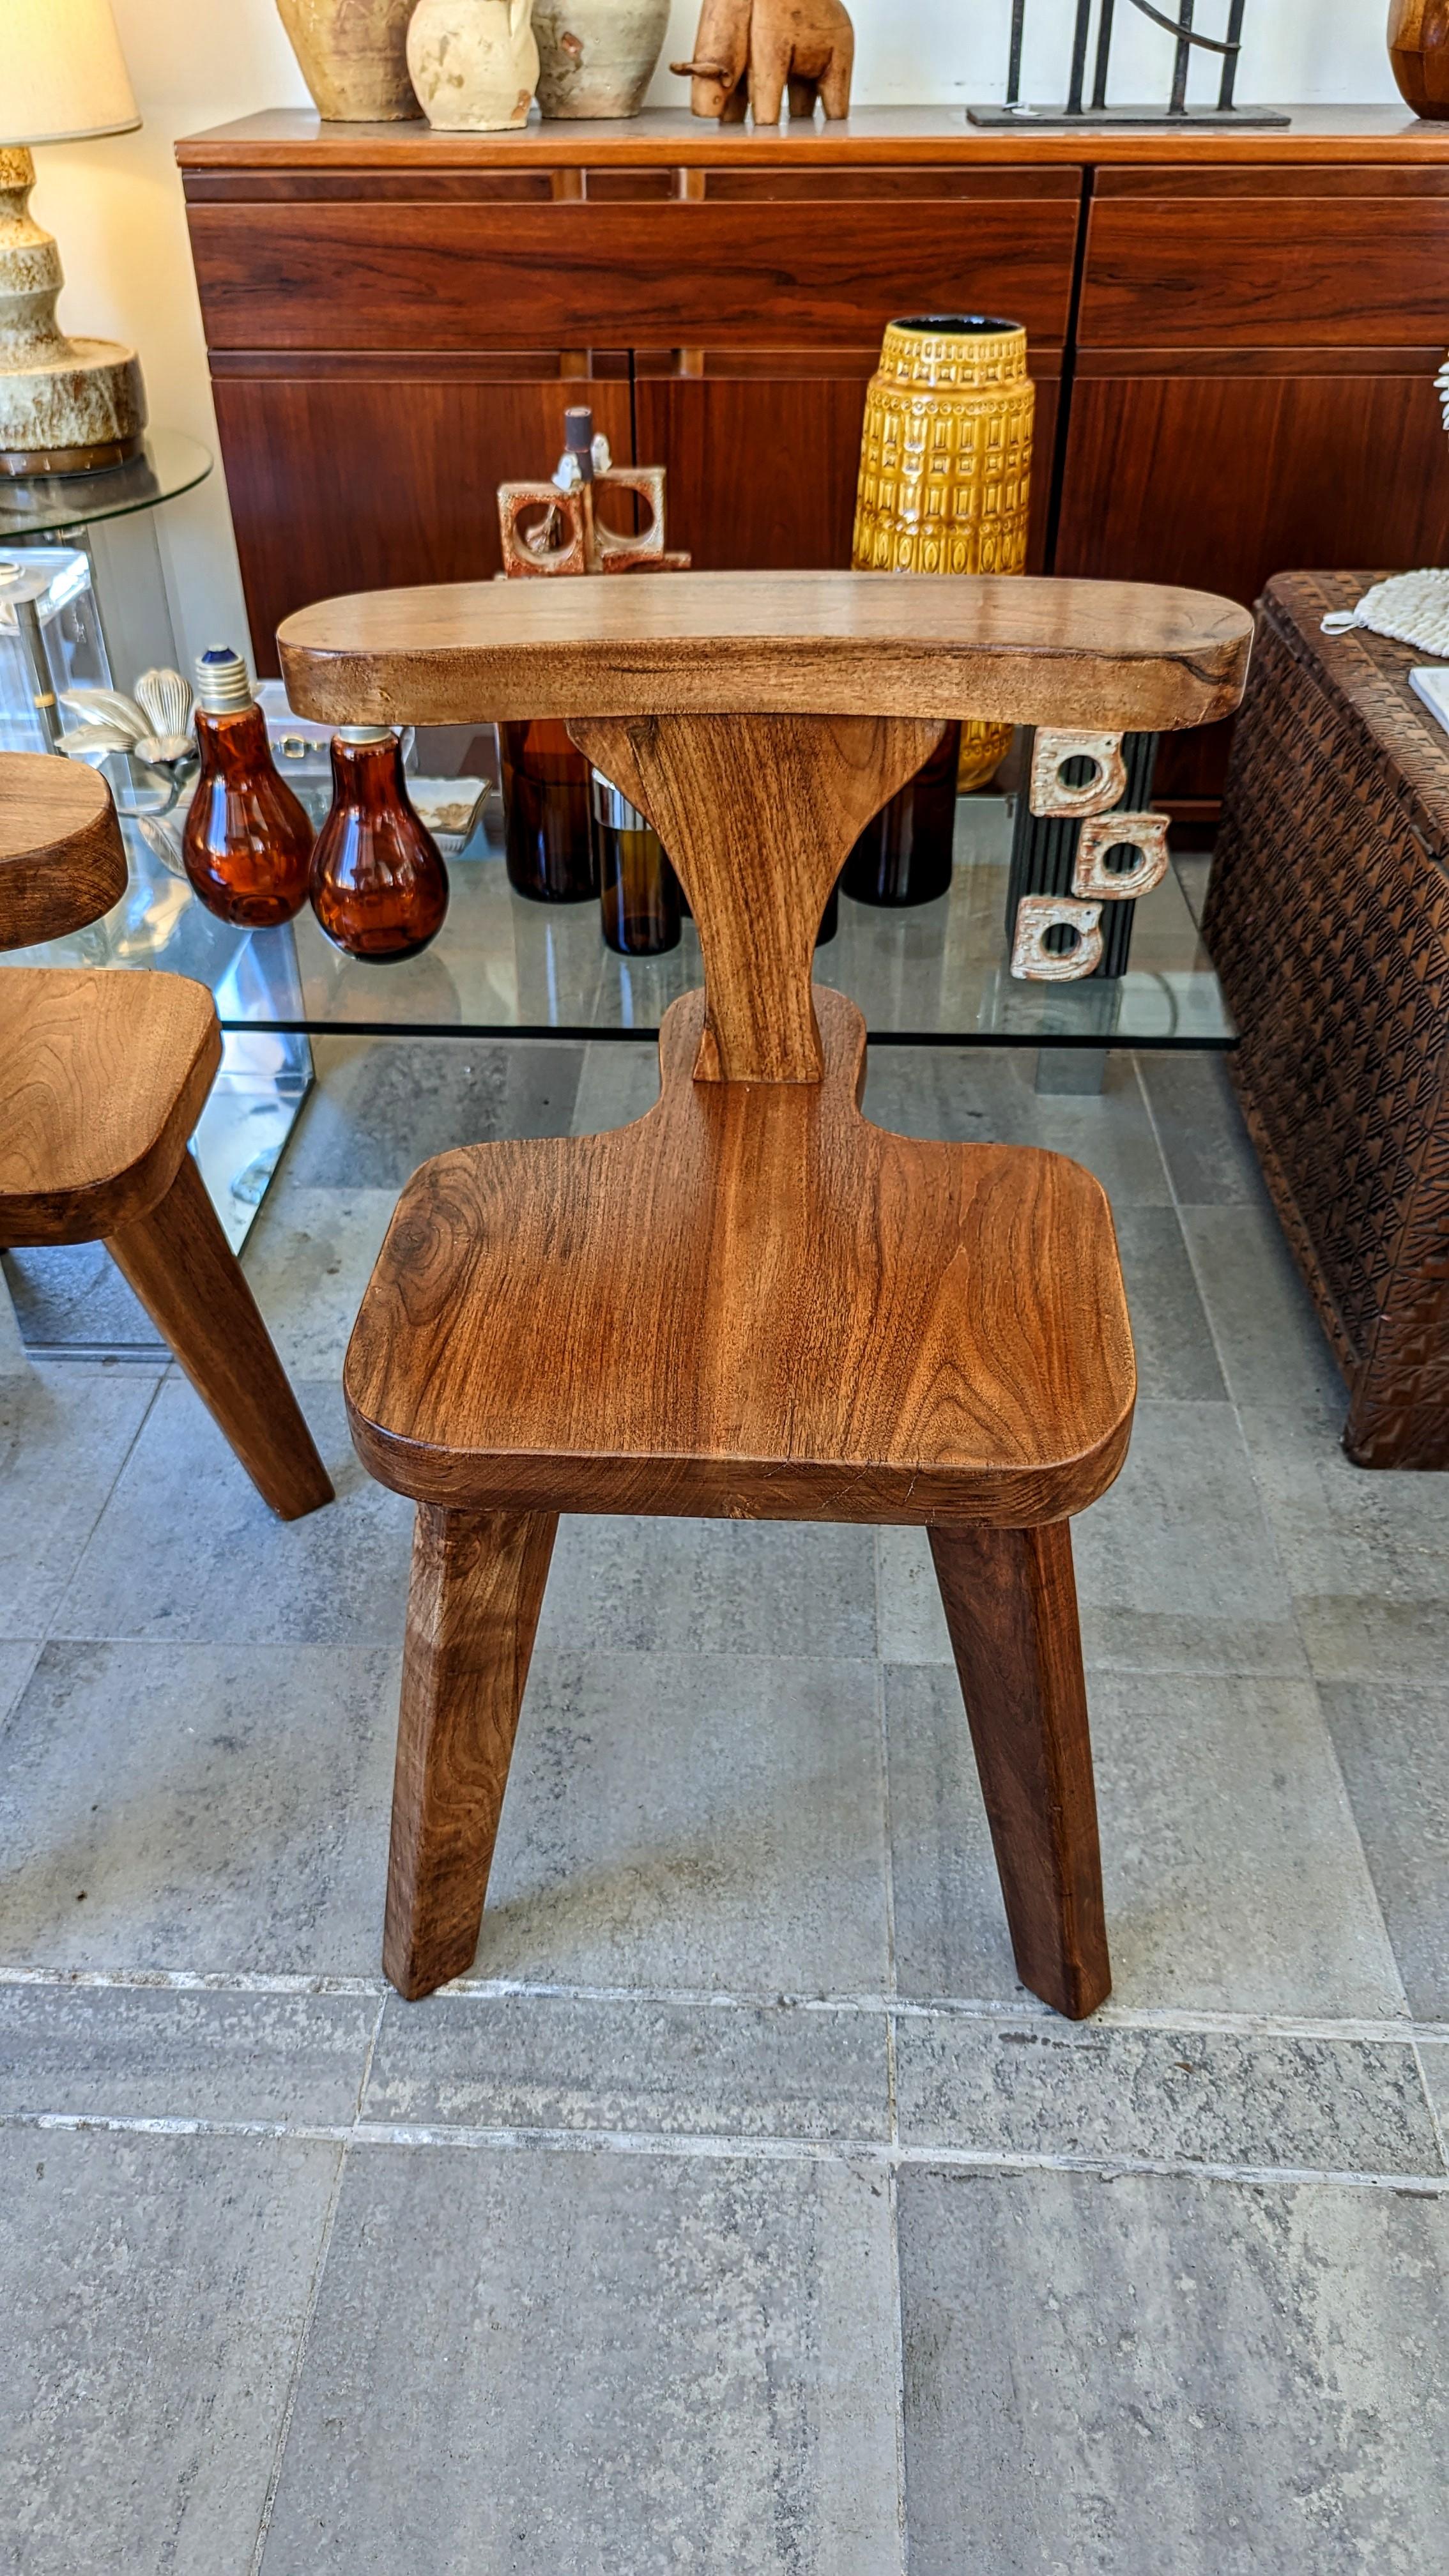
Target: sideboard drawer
1194, 262
428, 275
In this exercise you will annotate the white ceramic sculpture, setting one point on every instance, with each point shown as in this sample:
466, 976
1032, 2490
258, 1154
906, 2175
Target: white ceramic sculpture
595, 57
473, 63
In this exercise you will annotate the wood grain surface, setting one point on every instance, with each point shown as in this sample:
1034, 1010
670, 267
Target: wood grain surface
752, 1303
473, 1603
1011, 1607
189, 1280
1118, 655
104, 1076
62, 863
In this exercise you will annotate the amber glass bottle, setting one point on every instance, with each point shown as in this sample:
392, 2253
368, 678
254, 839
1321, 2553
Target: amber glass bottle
638, 889
904, 854
548, 850
379, 886
247, 844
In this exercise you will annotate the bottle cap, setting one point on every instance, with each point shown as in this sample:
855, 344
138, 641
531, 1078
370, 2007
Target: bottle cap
222, 685
363, 733
579, 441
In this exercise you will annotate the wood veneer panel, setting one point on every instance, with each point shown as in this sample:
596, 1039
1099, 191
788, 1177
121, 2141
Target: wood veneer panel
1192, 479
1302, 271
763, 466
425, 276
336, 482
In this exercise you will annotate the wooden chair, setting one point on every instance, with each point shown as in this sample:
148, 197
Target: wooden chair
753, 1303
102, 1078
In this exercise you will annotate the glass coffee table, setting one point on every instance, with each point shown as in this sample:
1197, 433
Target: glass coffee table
936, 975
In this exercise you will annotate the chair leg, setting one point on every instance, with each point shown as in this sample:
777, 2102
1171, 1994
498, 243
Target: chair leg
191, 1284
476, 1592
1011, 1607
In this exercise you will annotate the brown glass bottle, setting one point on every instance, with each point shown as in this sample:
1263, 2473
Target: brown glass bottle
904, 855
379, 886
247, 842
638, 889
548, 849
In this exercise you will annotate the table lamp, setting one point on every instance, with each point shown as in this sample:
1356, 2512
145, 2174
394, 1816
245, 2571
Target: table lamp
66, 406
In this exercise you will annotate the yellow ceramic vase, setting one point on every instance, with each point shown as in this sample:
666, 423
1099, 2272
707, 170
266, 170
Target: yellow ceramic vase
945, 467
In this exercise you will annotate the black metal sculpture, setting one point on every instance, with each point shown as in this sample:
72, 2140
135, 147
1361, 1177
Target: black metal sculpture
1095, 111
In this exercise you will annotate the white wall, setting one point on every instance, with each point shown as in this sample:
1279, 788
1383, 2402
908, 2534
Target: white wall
116, 206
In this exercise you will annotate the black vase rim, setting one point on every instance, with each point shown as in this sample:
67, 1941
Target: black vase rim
959, 326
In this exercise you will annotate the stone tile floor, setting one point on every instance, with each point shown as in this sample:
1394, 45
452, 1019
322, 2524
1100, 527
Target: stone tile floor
739, 2212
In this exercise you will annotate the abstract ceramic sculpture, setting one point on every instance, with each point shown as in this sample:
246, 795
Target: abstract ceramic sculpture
752, 53
595, 57
474, 63
1419, 53
353, 57
945, 466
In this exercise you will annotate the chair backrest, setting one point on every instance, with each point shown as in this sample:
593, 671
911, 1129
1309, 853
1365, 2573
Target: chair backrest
62, 860
759, 720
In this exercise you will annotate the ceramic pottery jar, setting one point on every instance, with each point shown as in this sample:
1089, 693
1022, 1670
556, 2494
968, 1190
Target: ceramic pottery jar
474, 63
1419, 53
353, 55
595, 57
945, 466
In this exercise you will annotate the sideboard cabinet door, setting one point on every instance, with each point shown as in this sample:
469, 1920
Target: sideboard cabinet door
361, 474
1254, 387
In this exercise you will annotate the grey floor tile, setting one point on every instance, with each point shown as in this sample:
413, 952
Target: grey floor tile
1234, 1876
309, 1258
619, 1081
1045, 2088
382, 1105
1434, 2058
652, 2364
1170, 2374
1175, 1355
1176, 1565
65, 1293
153, 2292
712, 1587
12, 1348
1199, 1126
1365, 1550
1193, 868
551, 2062
1272, 1345
199, 1807
17, 1663
125, 2052
985, 1095
1391, 1742
187, 1549
705, 1822
65, 1429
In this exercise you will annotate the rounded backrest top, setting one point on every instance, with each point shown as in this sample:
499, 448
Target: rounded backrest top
62, 859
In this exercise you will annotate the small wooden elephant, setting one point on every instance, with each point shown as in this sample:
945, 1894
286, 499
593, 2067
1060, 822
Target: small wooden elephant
748, 52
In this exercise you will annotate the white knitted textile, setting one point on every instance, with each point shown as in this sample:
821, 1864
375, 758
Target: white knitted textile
1412, 608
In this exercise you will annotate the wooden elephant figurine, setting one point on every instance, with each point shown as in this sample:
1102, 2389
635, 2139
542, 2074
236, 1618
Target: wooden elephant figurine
748, 52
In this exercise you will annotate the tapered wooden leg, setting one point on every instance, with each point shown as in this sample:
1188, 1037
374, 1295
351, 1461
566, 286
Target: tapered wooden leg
477, 1588
191, 1284
1011, 1607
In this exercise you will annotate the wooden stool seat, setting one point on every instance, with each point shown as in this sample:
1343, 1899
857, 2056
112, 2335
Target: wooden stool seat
751, 1303
103, 1076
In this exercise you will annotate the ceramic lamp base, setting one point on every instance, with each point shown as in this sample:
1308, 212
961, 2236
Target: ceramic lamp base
80, 408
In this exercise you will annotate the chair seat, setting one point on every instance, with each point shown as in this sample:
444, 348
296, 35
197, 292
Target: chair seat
103, 1076
751, 1303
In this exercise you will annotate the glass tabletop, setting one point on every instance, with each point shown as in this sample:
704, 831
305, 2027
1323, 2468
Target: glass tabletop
934, 975
42, 505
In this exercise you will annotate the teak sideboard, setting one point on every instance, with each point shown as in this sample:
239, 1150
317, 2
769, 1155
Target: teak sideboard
1234, 336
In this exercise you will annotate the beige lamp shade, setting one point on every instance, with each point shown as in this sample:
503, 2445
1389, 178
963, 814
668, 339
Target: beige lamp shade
62, 74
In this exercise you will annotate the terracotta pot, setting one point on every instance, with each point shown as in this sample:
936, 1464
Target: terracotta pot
353, 55
595, 57
1419, 53
474, 63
